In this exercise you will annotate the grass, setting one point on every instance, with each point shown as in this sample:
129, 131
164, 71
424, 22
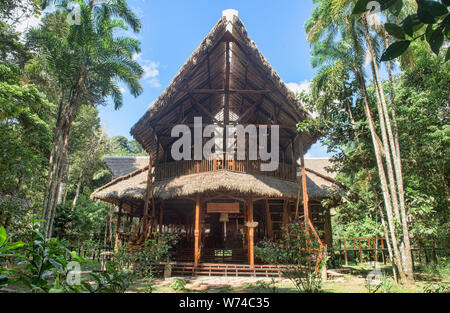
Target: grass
352, 280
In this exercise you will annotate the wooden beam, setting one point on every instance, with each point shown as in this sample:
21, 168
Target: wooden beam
306, 211
251, 230
197, 230
285, 216
119, 220
222, 91
147, 193
268, 221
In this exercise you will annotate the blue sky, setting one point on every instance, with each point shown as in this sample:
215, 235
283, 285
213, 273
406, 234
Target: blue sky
172, 30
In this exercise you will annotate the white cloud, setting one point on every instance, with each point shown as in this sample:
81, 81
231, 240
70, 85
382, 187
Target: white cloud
151, 70
122, 90
303, 86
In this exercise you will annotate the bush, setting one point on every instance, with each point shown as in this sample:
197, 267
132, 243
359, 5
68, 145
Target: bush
299, 253
178, 284
48, 266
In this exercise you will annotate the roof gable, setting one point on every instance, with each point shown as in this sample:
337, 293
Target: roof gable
226, 72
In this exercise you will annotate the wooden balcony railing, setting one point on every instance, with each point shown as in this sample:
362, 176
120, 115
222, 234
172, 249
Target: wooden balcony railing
187, 167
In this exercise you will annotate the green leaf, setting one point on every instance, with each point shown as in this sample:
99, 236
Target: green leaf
428, 32
360, 7
447, 55
395, 50
396, 8
425, 16
2, 236
436, 40
395, 30
434, 8
408, 26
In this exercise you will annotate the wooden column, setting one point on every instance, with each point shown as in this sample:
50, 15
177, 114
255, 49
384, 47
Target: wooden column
285, 216
161, 212
299, 193
119, 220
268, 221
153, 219
147, 195
306, 211
197, 230
327, 229
251, 231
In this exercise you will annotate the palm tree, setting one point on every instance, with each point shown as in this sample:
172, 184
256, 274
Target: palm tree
85, 61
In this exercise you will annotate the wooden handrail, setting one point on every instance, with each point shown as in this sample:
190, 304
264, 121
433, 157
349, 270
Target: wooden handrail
187, 167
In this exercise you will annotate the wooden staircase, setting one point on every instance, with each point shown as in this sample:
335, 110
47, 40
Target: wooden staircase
225, 269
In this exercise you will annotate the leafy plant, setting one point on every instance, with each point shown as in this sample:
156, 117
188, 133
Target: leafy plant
154, 250
430, 22
298, 254
178, 284
6, 249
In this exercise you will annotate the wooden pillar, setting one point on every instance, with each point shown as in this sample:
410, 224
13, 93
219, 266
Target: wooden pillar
306, 211
119, 220
251, 231
268, 221
161, 212
328, 233
285, 216
147, 194
153, 219
197, 230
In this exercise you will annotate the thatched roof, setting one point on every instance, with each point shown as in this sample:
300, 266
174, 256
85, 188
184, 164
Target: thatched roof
131, 187
205, 70
122, 165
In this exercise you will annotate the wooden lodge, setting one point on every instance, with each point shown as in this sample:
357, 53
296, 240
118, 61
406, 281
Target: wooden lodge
221, 206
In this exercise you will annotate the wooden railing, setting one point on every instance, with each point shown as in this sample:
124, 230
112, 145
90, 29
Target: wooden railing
360, 249
187, 167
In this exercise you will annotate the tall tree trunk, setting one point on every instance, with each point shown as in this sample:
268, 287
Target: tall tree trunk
398, 181
77, 193
382, 176
66, 114
375, 193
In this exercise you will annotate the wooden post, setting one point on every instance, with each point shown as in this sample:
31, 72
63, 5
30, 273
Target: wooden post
153, 219
345, 252
268, 221
161, 212
147, 194
197, 230
306, 211
119, 220
251, 234
328, 232
285, 216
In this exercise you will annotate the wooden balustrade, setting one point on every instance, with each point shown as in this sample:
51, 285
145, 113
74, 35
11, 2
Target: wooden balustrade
187, 167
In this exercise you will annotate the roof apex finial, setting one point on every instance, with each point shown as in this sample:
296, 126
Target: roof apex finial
230, 13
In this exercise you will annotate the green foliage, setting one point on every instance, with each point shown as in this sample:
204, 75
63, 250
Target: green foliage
154, 250
178, 284
431, 22
45, 266
6, 250
298, 253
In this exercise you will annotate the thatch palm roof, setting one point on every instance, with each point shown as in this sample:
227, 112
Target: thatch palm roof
132, 186
122, 165
204, 70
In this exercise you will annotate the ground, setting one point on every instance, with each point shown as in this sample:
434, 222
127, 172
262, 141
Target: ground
350, 279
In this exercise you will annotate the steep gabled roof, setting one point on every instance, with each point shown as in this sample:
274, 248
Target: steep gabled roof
122, 165
199, 87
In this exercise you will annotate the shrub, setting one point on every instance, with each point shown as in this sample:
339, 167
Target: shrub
178, 284
299, 253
